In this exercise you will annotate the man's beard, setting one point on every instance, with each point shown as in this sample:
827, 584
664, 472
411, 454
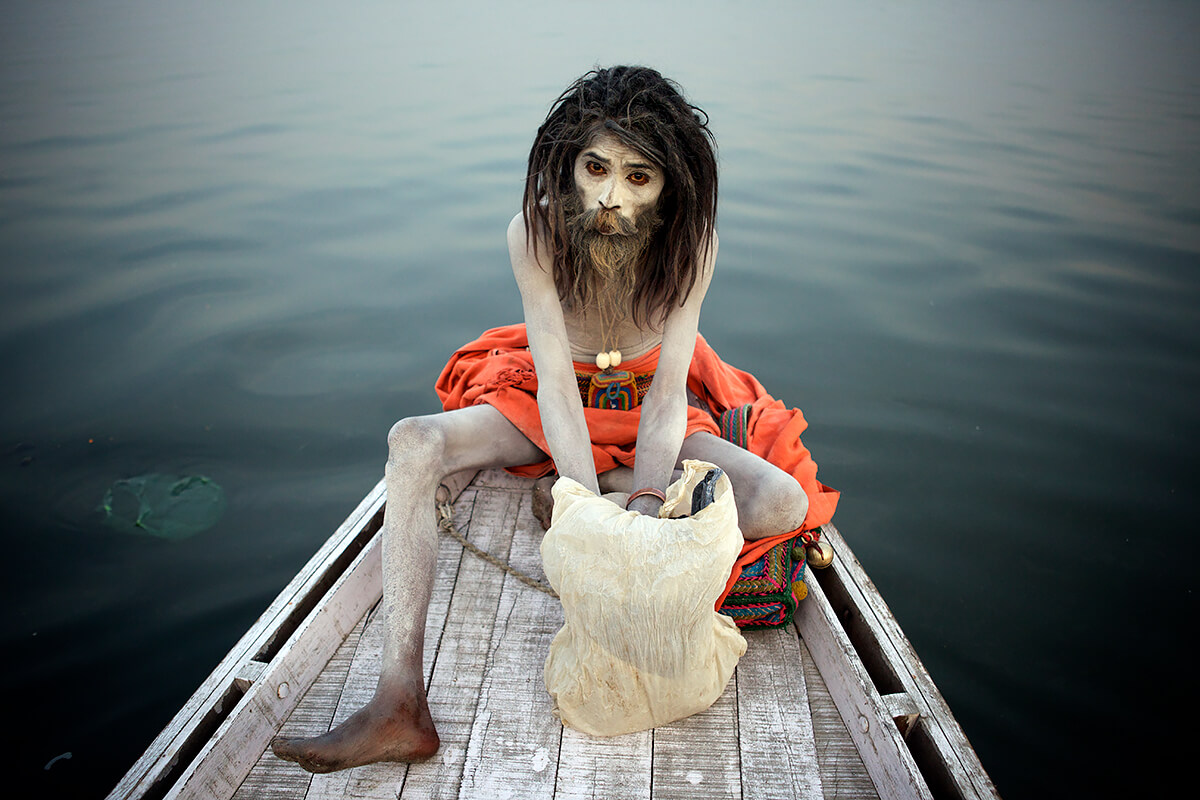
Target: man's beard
608, 250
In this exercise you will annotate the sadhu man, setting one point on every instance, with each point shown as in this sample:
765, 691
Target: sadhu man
607, 381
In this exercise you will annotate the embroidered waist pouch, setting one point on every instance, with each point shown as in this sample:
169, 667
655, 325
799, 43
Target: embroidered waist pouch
614, 389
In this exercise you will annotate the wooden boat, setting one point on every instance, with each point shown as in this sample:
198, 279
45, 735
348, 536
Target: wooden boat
836, 705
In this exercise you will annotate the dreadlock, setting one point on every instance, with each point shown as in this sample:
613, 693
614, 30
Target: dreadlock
649, 114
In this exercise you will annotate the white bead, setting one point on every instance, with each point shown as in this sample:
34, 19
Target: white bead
602, 360
614, 357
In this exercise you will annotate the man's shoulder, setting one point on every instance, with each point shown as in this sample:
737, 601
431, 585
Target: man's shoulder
519, 240
516, 228
529, 262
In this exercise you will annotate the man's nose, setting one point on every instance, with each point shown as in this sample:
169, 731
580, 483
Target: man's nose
610, 196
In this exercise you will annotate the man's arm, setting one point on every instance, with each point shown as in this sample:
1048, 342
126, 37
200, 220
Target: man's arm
558, 399
664, 410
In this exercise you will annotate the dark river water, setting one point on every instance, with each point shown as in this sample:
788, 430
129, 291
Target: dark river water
239, 240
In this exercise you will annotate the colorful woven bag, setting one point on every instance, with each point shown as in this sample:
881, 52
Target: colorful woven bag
769, 589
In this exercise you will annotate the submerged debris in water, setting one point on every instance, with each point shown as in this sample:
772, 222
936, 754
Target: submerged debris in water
166, 506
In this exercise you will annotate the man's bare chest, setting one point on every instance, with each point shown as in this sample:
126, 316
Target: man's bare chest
589, 335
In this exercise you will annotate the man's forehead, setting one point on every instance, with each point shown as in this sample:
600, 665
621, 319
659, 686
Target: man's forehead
608, 147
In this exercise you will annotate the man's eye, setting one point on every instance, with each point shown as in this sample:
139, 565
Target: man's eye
639, 178
594, 168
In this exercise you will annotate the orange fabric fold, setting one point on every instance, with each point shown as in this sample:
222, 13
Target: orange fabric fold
497, 369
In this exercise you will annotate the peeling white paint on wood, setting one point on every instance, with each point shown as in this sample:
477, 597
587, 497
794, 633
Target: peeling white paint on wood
843, 775
591, 767
699, 757
775, 727
514, 741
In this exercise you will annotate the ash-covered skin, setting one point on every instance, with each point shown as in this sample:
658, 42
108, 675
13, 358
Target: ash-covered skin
630, 198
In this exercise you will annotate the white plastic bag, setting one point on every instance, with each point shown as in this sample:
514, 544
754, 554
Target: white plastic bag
642, 645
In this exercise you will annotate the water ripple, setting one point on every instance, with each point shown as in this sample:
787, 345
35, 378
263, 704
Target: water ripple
186, 246
245, 132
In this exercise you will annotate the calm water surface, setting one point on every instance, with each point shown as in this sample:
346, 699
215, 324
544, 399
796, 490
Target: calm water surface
240, 240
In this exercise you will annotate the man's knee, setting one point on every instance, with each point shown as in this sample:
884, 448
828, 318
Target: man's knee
776, 505
416, 441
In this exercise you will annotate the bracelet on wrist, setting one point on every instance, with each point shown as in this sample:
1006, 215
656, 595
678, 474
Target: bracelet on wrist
662, 498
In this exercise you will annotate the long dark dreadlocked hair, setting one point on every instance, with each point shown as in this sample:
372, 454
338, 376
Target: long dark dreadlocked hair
649, 114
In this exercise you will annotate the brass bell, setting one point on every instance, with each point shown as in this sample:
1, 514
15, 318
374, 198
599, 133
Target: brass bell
820, 554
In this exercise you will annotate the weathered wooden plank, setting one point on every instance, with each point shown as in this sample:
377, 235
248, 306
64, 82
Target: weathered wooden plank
779, 755
888, 761
379, 781
591, 767
514, 746
900, 704
465, 643
177, 741
843, 776
943, 751
272, 777
698, 757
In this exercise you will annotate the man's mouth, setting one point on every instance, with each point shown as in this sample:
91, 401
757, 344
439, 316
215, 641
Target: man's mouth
608, 224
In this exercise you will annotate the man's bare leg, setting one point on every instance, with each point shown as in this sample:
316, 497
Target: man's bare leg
769, 501
395, 725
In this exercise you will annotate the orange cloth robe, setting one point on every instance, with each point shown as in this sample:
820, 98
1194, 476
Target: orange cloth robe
497, 369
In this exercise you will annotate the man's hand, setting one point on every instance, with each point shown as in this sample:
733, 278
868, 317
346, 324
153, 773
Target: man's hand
646, 504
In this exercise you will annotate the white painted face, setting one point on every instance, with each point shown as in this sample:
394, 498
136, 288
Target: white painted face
608, 174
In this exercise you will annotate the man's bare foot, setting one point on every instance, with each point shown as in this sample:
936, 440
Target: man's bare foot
543, 502
403, 732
